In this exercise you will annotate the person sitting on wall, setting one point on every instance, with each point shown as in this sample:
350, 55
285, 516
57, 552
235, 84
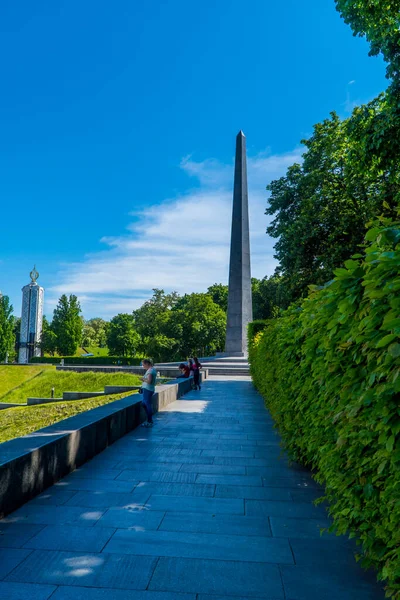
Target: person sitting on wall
185, 371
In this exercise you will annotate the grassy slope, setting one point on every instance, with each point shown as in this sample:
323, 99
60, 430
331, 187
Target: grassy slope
13, 376
19, 421
40, 386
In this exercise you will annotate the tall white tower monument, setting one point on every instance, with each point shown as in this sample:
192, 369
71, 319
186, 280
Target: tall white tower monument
31, 319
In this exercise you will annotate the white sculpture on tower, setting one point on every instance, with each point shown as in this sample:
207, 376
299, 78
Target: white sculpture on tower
31, 319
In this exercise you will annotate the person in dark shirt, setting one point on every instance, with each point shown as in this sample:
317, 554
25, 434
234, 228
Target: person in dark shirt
185, 371
196, 373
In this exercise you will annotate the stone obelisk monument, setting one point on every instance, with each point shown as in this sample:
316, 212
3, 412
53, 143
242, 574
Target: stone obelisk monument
31, 319
240, 310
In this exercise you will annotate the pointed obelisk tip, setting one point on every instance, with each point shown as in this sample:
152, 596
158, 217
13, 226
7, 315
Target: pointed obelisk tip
240, 134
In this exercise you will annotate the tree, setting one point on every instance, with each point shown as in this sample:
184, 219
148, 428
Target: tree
219, 294
322, 206
148, 315
95, 332
269, 297
48, 340
7, 338
202, 324
122, 338
378, 21
67, 325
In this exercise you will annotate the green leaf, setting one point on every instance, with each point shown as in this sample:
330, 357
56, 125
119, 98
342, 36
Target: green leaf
390, 443
386, 340
394, 350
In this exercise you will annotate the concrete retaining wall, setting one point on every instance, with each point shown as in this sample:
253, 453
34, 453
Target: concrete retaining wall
30, 464
164, 372
81, 395
9, 405
33, 401
120, 389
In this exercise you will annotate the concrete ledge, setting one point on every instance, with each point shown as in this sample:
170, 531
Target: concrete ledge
120, 389
9, 405
171, 372
33, 401
30, 464
81, 395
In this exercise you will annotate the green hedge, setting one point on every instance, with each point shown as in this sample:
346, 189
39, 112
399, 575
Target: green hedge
90, 360
255, 327
329, 371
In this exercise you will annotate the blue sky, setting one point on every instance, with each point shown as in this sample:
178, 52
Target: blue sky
118, 123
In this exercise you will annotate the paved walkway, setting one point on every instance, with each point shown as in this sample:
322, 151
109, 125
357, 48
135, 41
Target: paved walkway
202, 507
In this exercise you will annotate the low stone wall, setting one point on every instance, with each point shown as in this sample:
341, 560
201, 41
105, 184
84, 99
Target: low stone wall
30, 464
119, 389
9, 405
170, 372
34, 401
81, 395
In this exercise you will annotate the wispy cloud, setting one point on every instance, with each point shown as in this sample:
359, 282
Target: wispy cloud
180, 244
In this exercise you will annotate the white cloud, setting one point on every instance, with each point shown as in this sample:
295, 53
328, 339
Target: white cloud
180, 244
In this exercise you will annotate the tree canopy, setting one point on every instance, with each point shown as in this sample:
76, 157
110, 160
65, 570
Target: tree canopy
7, 338
122, 338
321, 206
67, 325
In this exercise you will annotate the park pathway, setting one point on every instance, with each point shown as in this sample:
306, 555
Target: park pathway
202, 507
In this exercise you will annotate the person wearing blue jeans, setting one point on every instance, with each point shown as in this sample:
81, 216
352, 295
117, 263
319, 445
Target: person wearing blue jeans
148, 386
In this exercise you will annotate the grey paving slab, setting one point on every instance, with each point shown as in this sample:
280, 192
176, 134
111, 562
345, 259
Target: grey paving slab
54, 496
228, 453
192, 504
25, 591
200, 545
84, 569
213, 597
83, 593
15, 535
298, 528
92, 473
219, 523
218, 577
175, 489
150, 466
329, 583
74, 482
54, 515
10, 558
157, 476
125, 518
71, 538
230, 480
168, 460
251, 492
103, 500
284, 509
214, 469
223, 460
306, 495
335, 550
289, 482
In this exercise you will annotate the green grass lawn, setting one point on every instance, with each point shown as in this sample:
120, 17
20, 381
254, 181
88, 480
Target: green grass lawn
13, 376
21, 420
44, 378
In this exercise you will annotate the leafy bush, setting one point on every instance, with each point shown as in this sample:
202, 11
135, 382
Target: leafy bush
255, 327
329, 371
90, 360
